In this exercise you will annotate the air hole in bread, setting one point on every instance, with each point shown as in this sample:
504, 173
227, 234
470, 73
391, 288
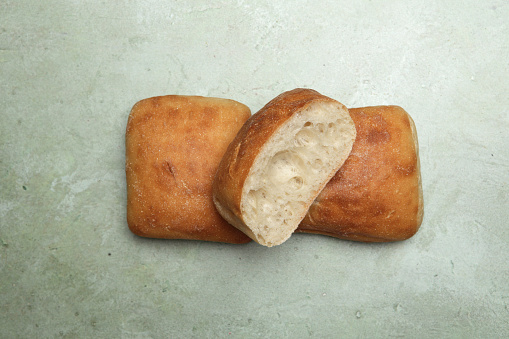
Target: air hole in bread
321, 128
317, 163
305, 137
296, 183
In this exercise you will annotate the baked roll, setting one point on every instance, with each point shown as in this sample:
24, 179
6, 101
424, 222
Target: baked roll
173, 147
279, 161
376, 196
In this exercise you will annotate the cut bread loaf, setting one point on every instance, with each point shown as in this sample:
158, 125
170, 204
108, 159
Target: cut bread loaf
279, 161
173, 147
376, 196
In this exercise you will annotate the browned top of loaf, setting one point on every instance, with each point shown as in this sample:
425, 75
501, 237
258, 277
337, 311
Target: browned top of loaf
173, 147
241, 153
376, 195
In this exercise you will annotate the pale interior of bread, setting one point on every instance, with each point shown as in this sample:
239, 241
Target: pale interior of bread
293, 167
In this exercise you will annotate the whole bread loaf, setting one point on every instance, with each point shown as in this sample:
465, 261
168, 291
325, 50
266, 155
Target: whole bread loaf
376, 196
279, 161
173, 147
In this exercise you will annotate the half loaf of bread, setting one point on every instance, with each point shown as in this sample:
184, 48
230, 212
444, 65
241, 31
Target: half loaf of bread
280, 161
173, 147
376, 196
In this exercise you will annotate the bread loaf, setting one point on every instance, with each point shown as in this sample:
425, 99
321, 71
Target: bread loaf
279, 161
376, 196
173, 147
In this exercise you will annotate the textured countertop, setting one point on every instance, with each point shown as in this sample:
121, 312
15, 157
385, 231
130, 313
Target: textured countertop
70, 72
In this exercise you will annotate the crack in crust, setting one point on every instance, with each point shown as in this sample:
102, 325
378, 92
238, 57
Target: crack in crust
170, 168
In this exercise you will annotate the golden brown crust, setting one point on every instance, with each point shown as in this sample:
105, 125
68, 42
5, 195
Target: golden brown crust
240, 155
376, 196
173, 147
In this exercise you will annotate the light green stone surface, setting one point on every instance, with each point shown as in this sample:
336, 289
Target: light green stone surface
70, 72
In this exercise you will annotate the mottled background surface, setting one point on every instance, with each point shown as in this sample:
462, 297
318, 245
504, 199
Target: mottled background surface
70, 72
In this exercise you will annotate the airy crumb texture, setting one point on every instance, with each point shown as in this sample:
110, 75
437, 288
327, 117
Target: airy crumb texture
173, 147
279, 162
376, 196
